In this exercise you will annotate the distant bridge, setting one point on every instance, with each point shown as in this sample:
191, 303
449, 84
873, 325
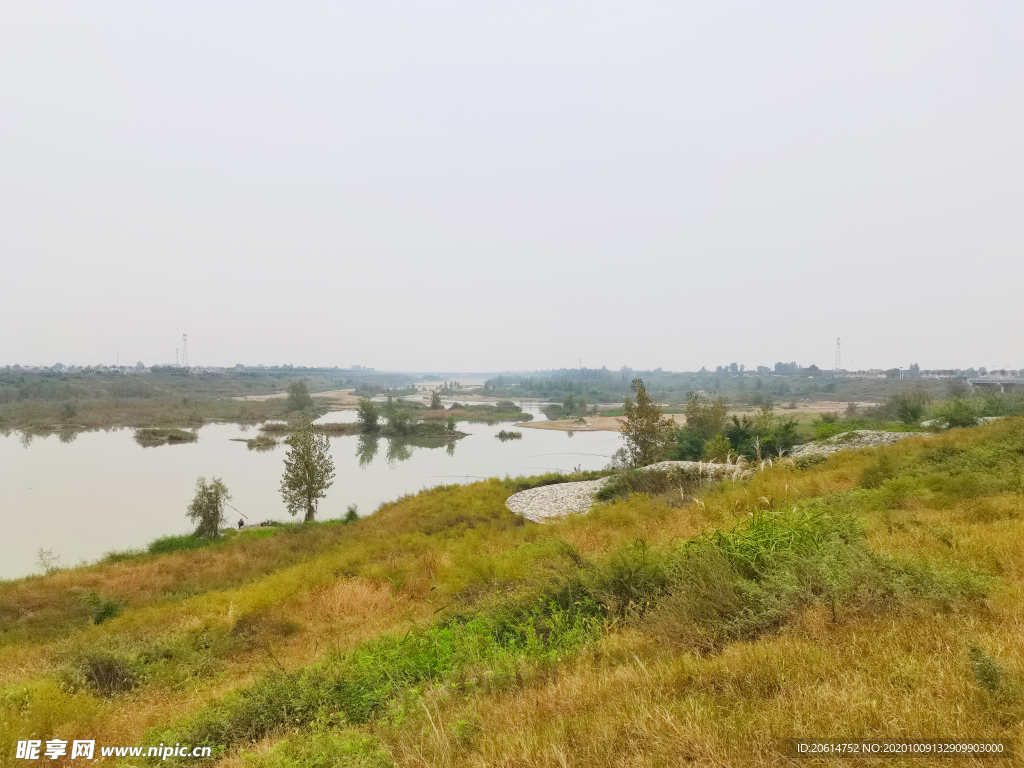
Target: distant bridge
997, 385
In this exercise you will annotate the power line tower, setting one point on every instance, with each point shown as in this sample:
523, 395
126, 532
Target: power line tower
184, 350
839, 357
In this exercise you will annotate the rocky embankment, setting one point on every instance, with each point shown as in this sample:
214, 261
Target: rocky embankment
549, 502
846, 441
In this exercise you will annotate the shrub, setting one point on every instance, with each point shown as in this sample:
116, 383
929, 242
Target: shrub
207, 508
689, 446
109, 675
652, 482
959, 413
400, 424
368, 415
299, 398
100, 608
907, 405
765, 433
705, 418
717, 449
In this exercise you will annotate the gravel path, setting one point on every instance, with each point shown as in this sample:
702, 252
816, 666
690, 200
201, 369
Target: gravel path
550, 501
554, 501
859, 438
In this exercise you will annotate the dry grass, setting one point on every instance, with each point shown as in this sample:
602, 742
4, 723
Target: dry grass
330, 617
630, 703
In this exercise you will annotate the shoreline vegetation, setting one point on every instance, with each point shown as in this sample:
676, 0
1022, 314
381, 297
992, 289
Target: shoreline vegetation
70, 402
164, 435
444, 629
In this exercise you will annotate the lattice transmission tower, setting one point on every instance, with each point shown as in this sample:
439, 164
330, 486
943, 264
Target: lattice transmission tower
839, 357
184, 350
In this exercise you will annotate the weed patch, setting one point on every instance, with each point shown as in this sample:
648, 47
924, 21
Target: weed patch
323, 748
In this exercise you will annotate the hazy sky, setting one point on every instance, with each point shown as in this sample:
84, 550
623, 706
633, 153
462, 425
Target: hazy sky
487, 186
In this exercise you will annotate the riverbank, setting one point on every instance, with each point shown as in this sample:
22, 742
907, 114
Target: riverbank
45, 416
337, 399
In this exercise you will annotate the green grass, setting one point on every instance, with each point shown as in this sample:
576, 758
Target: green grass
353, 688
823, 430
680, 484
323, 748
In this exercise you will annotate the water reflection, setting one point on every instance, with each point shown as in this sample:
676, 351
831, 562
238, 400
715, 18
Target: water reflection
398, 449
64, 488
366, 449
67, 435
261, 443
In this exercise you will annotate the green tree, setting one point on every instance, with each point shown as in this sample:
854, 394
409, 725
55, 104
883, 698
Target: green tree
308, 471
717, 449
908, 405
960, 412
207, 508
704, 417
399, 423
435, 401
569, 403
298, 396
368, 415
648, 434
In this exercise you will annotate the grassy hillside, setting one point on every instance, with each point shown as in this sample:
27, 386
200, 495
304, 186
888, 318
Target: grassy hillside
876, 594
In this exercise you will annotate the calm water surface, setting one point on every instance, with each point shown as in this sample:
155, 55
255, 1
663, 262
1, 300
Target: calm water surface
103, 491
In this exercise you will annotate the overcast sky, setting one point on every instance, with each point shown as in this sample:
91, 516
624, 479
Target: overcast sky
494, 186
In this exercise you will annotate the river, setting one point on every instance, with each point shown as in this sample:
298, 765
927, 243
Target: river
103, 492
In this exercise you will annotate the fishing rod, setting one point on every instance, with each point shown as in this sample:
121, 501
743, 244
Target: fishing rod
237, 510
